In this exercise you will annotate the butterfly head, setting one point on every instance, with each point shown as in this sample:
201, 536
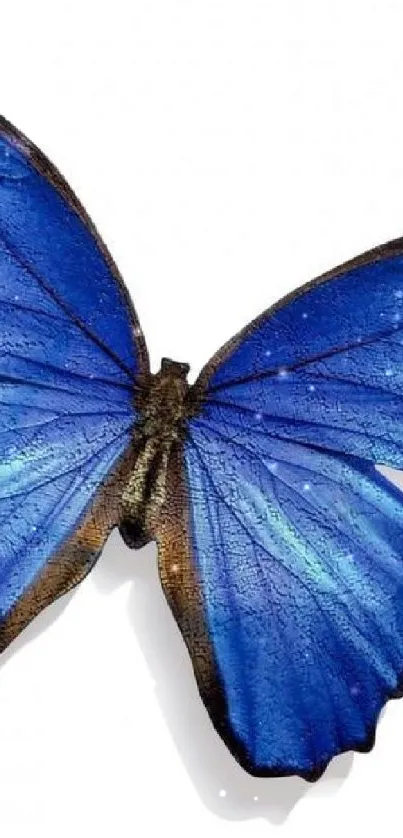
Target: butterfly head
175, 368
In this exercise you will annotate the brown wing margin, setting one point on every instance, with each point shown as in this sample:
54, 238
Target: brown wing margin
178, 574
385, 251
45, 168
75, 558
183, 592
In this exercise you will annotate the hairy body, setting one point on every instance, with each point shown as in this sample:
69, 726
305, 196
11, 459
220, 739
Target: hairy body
163, 408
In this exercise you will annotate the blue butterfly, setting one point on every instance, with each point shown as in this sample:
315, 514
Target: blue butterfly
280, 543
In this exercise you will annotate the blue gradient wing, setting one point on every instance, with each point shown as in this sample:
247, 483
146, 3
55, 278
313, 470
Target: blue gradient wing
71, 358
298, 552
326, 364
293, 538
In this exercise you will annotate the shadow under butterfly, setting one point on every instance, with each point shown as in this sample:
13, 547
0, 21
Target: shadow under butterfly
280, 543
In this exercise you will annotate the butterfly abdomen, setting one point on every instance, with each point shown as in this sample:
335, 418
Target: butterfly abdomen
163, 411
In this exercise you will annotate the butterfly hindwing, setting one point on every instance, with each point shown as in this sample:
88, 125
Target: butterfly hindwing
293, 538
71, 357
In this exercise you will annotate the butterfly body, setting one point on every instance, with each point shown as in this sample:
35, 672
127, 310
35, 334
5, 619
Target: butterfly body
280, 544
163, 405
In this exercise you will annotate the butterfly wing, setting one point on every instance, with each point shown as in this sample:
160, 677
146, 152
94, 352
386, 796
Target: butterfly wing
71, 358
288, 555
325, 364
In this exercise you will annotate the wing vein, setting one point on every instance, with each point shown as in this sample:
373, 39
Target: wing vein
18, 258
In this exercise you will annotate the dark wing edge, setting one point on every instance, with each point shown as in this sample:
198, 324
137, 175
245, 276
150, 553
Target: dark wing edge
45, 168
75, 558
183, 592
375, 254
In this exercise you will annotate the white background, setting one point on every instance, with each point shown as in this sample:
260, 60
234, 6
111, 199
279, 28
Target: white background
228, 151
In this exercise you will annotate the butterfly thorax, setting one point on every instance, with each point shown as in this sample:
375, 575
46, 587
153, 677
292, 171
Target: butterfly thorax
163, 406
163, 409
